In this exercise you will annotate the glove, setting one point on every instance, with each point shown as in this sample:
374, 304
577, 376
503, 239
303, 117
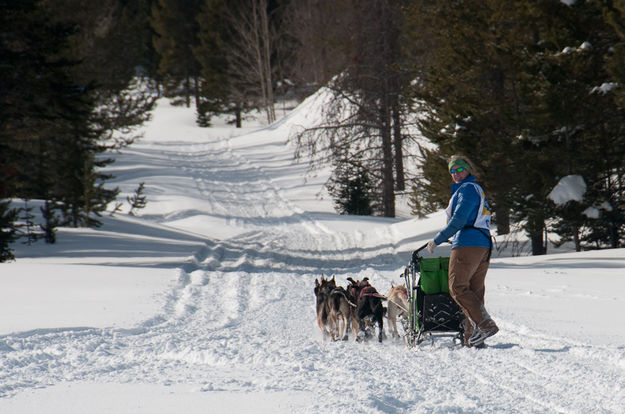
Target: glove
431, 246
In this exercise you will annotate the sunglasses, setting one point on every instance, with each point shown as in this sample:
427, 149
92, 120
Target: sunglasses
455, 170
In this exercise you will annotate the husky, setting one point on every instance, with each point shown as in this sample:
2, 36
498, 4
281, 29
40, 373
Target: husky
369, 308
397, 307
323, 288
342, 314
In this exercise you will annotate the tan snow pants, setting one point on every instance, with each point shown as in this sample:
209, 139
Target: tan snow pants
467, 272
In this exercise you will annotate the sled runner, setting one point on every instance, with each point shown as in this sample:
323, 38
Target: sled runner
431, 310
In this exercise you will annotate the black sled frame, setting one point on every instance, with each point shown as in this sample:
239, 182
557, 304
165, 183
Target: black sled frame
432, 314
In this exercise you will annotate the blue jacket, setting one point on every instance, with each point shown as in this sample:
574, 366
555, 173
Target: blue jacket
464, 212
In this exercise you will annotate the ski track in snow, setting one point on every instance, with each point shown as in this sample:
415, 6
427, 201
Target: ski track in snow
241, 318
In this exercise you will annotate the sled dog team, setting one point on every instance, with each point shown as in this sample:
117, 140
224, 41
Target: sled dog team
359, 307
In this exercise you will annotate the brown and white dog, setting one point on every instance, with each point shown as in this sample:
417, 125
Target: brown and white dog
323, 288
335, 312
342, 314
397, 307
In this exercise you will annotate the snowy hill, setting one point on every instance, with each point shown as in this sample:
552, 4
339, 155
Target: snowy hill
204, 302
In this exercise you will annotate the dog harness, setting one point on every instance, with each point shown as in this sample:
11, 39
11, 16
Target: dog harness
370, 291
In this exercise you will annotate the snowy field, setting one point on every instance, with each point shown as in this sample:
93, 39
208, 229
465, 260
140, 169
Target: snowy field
204, 302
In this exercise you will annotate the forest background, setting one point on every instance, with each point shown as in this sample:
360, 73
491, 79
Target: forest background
531, 91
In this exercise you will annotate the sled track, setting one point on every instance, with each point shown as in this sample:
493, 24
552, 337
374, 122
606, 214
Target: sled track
270, 218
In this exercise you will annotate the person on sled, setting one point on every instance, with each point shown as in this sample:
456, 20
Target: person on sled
468, 221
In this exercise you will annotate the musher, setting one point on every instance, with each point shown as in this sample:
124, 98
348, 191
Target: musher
468, 221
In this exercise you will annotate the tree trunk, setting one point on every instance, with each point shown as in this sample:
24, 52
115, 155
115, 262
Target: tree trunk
187, 91
258, 55
196, 90
266, 56
578, 246
614, 236
536, 227
237, 115
538, 247
502, 220
400, 182
388, 191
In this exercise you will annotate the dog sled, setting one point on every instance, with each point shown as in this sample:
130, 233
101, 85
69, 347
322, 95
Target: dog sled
431, 310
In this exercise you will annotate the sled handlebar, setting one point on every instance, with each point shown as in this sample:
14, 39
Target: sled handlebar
415, 254
421, 248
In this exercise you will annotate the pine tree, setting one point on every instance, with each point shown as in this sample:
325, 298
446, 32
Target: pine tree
351, 188
138, 200
120, 83
29, 70
78, 180
176, 35
469, 89
28, 228
217, 93
614, 15
50, 221
587, 119
8, 217
96, 196
428, 196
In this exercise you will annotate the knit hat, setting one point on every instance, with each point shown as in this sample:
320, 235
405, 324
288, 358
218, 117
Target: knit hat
459, 162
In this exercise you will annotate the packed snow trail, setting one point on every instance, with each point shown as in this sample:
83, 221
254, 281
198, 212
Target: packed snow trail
240, 318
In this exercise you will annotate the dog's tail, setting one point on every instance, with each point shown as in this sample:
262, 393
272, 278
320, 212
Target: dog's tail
339, 295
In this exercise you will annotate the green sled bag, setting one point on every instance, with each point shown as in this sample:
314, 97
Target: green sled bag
434, 275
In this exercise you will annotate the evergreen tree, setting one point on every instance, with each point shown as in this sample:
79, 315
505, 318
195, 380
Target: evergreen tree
218, 93
428, 196
30, 70
138, 200
351, 188
8, 217
176, 35
588, 119
96, 196
120, 83
50, 221
469, 90
614, 15
28, 229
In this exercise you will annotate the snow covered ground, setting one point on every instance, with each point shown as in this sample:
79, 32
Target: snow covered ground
204, 302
